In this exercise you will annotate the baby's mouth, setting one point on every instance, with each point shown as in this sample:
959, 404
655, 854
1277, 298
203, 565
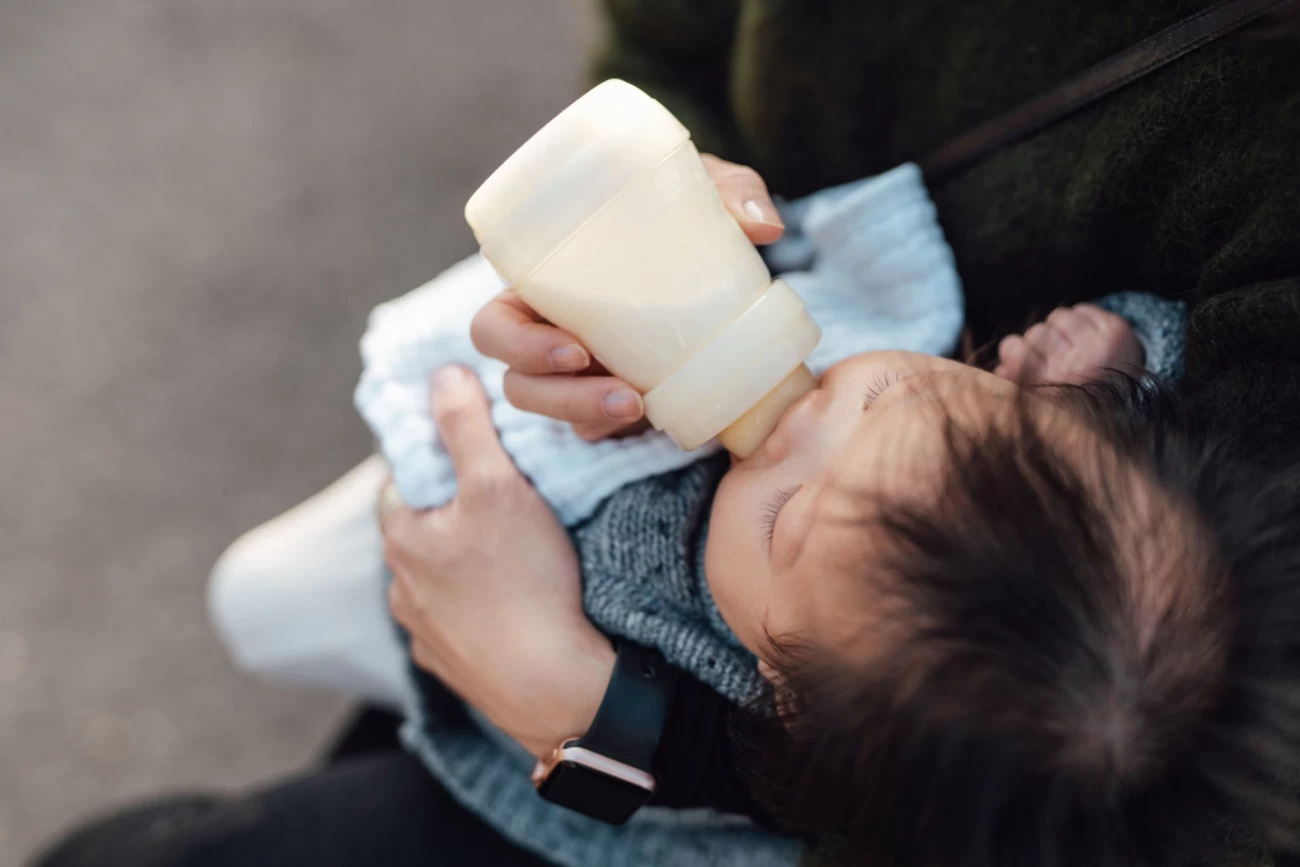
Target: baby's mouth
778, 443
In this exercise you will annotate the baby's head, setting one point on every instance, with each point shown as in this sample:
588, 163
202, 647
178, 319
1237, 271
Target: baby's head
1013, 626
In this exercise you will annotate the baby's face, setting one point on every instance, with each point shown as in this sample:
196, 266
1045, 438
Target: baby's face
872, 430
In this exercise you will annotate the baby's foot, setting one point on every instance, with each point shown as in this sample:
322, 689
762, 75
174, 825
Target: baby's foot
1075, 345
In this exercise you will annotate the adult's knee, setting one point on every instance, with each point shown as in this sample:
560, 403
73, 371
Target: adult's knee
301, 598
241, 595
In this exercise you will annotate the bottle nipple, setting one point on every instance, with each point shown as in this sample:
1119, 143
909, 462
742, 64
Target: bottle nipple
743, 437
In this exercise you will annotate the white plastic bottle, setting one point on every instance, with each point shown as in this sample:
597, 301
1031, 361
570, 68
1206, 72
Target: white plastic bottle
606, 223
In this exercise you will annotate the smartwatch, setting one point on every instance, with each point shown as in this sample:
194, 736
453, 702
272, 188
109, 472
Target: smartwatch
607, 773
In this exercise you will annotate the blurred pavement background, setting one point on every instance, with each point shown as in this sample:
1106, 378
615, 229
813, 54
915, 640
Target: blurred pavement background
199, 202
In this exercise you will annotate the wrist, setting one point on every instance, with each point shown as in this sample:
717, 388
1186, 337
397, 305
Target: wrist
576, 695
608, 772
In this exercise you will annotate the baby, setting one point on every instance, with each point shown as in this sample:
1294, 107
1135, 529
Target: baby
1013, 626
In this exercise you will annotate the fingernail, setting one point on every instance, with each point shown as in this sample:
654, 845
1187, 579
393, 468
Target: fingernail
623, 405
568, 358
448, 377
763, 212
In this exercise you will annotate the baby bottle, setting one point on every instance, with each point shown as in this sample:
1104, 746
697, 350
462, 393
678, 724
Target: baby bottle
606, 223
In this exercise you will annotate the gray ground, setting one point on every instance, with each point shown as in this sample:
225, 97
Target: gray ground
198, 204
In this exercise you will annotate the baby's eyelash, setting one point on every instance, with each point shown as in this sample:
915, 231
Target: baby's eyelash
877, 387
773, 510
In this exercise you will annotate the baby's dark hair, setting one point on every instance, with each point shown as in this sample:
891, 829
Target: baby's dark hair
1091, 660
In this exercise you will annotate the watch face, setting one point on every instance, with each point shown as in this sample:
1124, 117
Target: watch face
592, 793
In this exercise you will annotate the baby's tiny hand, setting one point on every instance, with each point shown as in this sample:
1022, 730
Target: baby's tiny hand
1075, 345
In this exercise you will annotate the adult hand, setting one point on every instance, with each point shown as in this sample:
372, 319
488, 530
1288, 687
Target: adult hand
489, 589
553, 374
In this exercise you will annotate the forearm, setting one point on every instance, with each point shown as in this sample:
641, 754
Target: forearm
587, 671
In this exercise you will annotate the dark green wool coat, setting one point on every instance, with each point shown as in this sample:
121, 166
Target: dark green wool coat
1186, 184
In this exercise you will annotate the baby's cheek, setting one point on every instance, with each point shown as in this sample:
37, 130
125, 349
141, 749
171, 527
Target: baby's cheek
728, 566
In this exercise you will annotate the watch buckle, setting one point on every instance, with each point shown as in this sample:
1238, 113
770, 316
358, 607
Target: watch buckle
571, 753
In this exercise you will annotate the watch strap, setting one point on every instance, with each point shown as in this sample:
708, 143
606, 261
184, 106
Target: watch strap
635, 709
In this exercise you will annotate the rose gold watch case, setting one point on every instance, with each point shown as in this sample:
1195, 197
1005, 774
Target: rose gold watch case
567, 752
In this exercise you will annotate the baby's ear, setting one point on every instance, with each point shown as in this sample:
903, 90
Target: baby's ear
785, 705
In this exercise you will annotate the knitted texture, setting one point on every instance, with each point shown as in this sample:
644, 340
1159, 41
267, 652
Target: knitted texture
1161, 328
642, 557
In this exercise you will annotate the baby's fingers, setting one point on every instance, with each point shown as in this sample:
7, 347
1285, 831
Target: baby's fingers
1100, 320
1047, 340
1117, 345
1013, 356
1070, 322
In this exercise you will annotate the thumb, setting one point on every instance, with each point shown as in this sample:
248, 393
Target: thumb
745, 195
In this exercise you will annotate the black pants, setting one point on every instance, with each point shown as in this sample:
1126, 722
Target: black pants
383, 810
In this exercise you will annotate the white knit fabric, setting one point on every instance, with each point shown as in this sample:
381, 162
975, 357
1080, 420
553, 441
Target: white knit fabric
869, 259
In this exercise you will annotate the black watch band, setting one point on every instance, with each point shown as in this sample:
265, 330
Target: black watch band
632, 714
607, 773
